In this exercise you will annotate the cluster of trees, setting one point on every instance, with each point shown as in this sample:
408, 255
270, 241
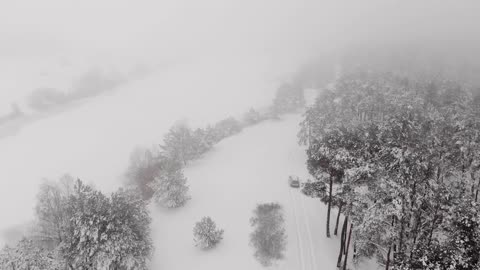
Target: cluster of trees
158, 172
78, 227
399, 157
288, 98
89, 84
269, 236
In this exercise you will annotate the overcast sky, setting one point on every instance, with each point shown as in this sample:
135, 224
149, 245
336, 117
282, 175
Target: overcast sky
290, 30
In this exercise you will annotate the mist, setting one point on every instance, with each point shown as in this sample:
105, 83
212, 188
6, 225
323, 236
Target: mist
83, 83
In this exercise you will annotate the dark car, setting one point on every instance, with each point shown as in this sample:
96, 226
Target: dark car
294, 182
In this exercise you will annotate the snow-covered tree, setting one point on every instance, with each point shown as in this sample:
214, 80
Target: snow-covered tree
128, 243
170, 189
180, 144
205, 233
51, 210
28, 254
202, 142
406, 150
82, 247
106, 232
146, 165
269, 236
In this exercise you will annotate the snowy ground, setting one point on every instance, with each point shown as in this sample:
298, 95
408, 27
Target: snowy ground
240, 172
93, 140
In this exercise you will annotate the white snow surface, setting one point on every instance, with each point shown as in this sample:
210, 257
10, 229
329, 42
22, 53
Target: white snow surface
93, 139
226, 184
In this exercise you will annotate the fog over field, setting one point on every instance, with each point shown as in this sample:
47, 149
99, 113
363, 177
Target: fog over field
84, 83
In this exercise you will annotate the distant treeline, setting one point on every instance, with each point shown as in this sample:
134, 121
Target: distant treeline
15, 113
90, 84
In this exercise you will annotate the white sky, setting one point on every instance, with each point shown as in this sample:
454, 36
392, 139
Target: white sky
41, 32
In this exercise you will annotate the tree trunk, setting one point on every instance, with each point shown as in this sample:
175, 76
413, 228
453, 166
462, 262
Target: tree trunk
402, 228
387, 265
338, 219
342, 241
347, 247
435, 216
340, 254
329, 206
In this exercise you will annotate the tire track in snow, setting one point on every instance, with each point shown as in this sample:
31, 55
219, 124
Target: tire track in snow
297, 230
309, 233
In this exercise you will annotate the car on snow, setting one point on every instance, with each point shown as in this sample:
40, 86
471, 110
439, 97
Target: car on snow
294, 181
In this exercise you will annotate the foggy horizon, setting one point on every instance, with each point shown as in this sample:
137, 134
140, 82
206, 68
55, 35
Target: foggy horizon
342, 133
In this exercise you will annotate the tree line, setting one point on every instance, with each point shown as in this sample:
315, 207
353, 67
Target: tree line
158, 172
398, 156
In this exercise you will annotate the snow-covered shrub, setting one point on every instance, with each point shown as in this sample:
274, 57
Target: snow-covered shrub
205, 233
170, 189
269, 237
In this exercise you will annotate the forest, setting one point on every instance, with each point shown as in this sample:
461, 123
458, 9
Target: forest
397, 155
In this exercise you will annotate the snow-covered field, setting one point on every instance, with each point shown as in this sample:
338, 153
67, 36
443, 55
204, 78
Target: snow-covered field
93, 140
240, 172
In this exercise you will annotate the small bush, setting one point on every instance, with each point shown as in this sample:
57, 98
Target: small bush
205, 233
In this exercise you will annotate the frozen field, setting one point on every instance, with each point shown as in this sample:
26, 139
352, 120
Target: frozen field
93, 140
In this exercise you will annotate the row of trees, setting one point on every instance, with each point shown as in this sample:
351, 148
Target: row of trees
399, 158
78, 227
158, 172
91, 83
